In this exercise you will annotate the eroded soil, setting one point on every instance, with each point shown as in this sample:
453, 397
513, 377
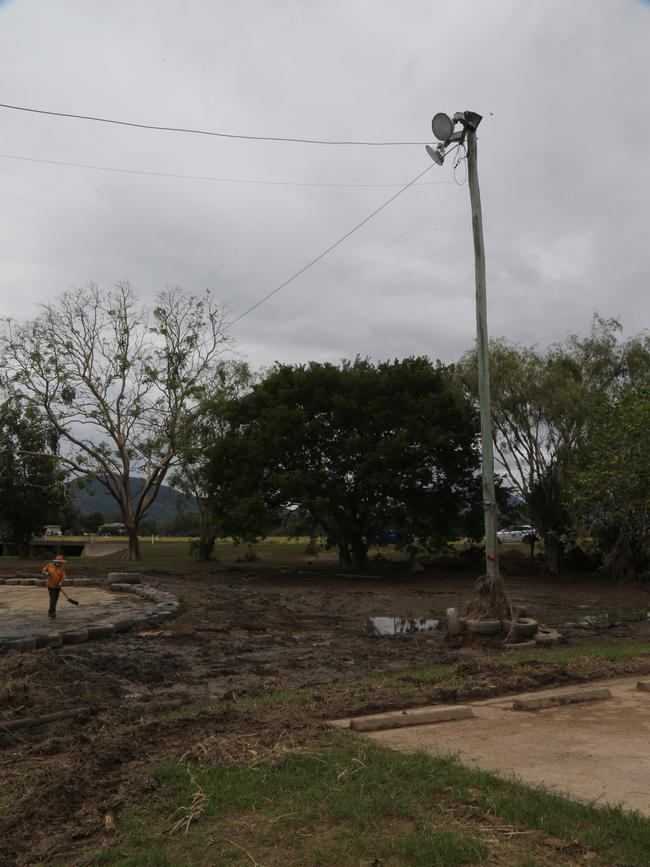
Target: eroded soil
242, 633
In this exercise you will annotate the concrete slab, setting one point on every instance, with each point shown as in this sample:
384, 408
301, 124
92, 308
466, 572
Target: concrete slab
593, 751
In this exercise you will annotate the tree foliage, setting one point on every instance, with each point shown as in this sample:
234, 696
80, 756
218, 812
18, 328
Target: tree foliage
31, 484
541, 405
117, 383
230, 379
609, 483
360, 448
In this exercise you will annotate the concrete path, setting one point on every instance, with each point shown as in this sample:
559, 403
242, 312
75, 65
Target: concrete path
596, 751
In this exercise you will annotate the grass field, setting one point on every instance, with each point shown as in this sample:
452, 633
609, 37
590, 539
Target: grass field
175, 553
339, 800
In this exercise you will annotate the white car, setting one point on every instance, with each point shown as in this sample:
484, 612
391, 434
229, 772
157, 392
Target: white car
516, 534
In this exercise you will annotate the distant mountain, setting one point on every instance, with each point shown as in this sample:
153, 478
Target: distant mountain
93, 497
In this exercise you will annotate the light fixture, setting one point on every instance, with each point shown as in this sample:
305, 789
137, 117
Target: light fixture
442, 126
472, 119
437, 153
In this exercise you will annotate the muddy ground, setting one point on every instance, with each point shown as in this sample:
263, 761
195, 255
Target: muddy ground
241, 633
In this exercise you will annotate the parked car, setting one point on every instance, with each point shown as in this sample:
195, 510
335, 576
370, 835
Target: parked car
392, 537
520, 533
115, 529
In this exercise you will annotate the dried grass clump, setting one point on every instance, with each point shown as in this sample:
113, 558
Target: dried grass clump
244, 751
490, 601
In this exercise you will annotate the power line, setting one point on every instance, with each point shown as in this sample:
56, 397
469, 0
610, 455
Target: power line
155, 174
330, 248
191, 131
356, 270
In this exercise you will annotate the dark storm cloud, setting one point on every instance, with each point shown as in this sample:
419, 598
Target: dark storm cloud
564, 172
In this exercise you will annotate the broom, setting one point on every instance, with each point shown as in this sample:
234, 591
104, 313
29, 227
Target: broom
71, 601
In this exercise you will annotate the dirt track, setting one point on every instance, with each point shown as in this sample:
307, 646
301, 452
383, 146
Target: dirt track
240, 633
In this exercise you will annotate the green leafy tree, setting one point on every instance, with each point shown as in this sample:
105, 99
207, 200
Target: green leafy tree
91, 523
541, 404
229, 380
31, 484
184, 524
360, 448
609, 482
116, 381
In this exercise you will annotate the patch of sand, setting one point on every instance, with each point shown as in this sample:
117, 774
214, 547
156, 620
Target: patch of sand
596, 751
27, 600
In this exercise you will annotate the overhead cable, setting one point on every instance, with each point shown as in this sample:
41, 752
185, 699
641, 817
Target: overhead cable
155, 174
356, 270
191, 131
330, 248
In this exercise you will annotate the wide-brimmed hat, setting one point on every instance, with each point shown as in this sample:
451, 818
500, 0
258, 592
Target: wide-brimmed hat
59, 558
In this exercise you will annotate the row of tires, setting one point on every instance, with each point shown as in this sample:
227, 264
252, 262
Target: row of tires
525, 630
40, 582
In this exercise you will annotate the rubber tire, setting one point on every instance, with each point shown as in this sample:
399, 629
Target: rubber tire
20, 644
525, 628
549, 638
521, 645
123, 625
104, 630
483, 627
75, 636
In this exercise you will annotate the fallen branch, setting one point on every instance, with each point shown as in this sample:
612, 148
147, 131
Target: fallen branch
27, 721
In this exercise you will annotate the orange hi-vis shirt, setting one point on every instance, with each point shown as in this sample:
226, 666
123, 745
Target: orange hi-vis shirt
55, 575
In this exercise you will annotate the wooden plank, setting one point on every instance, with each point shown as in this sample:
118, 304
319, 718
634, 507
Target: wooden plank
25, 722
544, 701
404, 720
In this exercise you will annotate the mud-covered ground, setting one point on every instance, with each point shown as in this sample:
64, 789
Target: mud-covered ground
242, 633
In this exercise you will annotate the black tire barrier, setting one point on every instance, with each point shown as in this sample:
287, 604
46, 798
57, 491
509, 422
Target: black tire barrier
102, 630
165, 606
75, 636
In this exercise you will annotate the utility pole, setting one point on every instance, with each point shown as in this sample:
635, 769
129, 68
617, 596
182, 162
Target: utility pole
443, 129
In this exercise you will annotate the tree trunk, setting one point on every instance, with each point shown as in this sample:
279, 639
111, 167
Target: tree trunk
134, 544
206, 546
345, 559
23, 547
553, 553
359, 554
207, 537
532, 541
621, 563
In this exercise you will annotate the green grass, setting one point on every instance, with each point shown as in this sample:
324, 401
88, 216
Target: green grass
612, 652
347, 802
276, 552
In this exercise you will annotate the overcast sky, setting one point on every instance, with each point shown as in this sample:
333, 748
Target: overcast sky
563, 160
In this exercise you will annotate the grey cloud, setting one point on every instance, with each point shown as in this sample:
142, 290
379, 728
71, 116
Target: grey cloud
564, 172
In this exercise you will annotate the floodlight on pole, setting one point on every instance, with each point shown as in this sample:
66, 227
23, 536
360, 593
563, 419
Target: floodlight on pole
443, 129
442, 126
437, 153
